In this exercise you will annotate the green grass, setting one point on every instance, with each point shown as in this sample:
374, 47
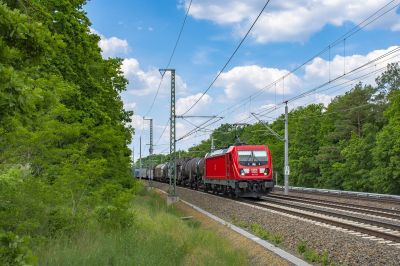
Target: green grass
311, 255
301, 246
158, 237
243, 224
259, 231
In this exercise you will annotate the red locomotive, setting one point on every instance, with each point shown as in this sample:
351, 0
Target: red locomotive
244, 171
241, 170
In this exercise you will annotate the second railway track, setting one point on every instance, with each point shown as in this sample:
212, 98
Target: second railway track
354, 208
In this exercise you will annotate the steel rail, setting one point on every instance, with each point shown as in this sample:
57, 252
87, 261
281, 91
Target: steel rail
355, 193
347, 196
339, 206
355, 228
336, 203
337, 215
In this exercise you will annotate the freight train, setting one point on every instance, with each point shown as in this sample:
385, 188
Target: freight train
241, 170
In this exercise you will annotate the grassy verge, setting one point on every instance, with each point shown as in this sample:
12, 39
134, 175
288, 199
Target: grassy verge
158, 237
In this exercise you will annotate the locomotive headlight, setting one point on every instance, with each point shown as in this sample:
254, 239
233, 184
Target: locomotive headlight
266, 172
244, 171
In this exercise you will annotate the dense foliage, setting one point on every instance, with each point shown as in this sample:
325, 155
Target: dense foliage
352, 144
64, 134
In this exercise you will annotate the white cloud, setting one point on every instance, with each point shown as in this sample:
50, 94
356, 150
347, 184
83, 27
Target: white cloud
139, 124
139, 28
143, 83
240, 82
316, 98
130, 106
112, 45
318, 70
150, 29
292, 20
183, 104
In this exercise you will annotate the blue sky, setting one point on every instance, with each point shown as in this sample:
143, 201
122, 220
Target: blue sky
287, 34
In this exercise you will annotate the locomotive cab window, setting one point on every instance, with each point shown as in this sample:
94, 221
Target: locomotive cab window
253, 158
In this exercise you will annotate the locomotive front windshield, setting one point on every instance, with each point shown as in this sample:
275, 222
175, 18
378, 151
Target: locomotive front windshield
253, 158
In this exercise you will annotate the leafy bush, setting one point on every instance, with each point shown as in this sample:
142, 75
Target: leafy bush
312, 256
14, 251
277, 239
256, 228
301, 246
325, 258
259, 231
243, 224
115, 212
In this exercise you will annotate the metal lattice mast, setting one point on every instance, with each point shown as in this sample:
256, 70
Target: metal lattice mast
133, 160
172, 136
140, 160
151, 152
286, 151
172, 149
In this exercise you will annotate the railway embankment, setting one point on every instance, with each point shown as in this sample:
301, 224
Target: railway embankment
340, 246
158, 236
256, 254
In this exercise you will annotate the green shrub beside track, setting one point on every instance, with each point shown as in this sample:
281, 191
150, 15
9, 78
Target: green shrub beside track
157, 237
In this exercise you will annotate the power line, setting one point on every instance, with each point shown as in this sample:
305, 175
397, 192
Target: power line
370, 104
173, 52
229, 58
338, 78
353, 80
352, 72
339, 40
347, 35
162, 132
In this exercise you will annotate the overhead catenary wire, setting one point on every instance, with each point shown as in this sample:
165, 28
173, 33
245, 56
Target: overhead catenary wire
281, 105
237, 48
337, 78
333, 44
348, 34
162, 132
173, 52
331, 113
349, 81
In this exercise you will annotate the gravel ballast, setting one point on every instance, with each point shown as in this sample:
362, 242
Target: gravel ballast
344, 248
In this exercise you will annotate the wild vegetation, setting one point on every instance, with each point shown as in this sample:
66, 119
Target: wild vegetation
157, 237
67, 192
352, 144
64, 135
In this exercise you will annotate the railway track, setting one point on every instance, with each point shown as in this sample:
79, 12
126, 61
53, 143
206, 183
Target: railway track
380, 199
371, 227
355, 208
367, 228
